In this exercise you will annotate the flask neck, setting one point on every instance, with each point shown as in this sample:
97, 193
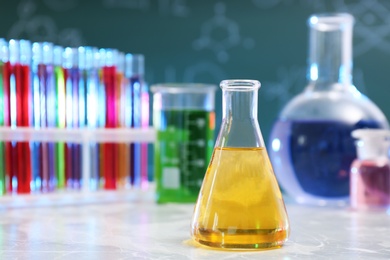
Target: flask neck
372, 150
239, 105
240, 127
330, 50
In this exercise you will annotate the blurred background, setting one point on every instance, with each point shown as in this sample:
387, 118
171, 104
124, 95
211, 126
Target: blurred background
208, 41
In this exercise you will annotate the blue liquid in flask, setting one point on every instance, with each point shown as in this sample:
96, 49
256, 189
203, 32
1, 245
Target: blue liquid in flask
315, 155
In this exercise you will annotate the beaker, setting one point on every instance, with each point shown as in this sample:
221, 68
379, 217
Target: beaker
183, 115
240, 205
311, 144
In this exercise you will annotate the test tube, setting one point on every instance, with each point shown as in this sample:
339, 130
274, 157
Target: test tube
60, 112
109, 150
123, 148
8, 150
4, 85
50, 115
37, 159
135, 73
44, 92
92, 108
102, 112
20, 113
72, 150
144, 146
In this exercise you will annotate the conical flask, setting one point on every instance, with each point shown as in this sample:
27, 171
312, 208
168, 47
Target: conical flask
240, 205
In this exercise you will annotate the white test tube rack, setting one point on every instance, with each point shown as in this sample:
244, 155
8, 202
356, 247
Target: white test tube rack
83, 136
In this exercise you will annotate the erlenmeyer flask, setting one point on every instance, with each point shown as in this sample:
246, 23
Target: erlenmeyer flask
240, 205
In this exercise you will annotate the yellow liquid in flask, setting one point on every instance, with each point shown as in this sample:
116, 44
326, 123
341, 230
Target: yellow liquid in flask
240, 205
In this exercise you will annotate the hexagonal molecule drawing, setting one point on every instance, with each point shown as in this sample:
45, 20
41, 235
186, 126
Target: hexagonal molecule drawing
232, 38
372, 29
61, 5
291, 81
204, 69
267, 4
43, 27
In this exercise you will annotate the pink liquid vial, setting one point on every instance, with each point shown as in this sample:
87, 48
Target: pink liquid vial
370, 171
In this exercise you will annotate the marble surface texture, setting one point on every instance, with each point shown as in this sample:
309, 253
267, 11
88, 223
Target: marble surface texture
129, 225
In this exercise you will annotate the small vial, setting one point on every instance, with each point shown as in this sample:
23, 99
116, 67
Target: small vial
370, 171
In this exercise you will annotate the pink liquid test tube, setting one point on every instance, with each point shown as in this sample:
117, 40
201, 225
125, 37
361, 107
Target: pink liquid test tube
109, 152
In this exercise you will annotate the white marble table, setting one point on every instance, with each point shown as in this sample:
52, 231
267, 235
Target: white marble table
129, 225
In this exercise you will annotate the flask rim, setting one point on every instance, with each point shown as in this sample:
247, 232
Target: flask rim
240, 84
330, 21
182, 88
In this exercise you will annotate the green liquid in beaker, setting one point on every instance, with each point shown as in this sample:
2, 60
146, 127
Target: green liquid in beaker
185, 141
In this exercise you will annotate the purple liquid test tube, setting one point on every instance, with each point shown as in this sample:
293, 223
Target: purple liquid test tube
138, 151
44, 170
72, 150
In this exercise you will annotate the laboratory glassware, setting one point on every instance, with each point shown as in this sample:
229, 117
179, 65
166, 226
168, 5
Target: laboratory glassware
109, 151
44, 95
311, 147
20, 114
370, 171
240, 205
72, 150
135, 67
123, 148
183, 115
4, 83
60, 98
92, 104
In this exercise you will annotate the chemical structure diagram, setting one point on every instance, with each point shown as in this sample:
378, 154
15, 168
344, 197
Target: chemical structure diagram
178, 8
372, 29
221, 45
266, 4
200, 70
42, 27
290, 81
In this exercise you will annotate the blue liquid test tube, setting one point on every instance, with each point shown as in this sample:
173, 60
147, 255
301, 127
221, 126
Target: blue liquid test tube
91, 74
73, 150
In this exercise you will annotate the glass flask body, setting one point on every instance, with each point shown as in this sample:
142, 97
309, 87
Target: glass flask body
311, 144
183, 115
240, 205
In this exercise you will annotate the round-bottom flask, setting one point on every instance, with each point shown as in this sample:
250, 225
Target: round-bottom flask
240, 205
311, 144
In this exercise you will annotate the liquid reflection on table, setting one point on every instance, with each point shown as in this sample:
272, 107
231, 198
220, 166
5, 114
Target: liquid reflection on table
129, 225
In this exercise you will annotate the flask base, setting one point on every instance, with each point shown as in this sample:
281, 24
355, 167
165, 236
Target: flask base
242, 239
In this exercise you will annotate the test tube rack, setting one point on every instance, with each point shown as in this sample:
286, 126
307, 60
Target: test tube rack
83, 136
